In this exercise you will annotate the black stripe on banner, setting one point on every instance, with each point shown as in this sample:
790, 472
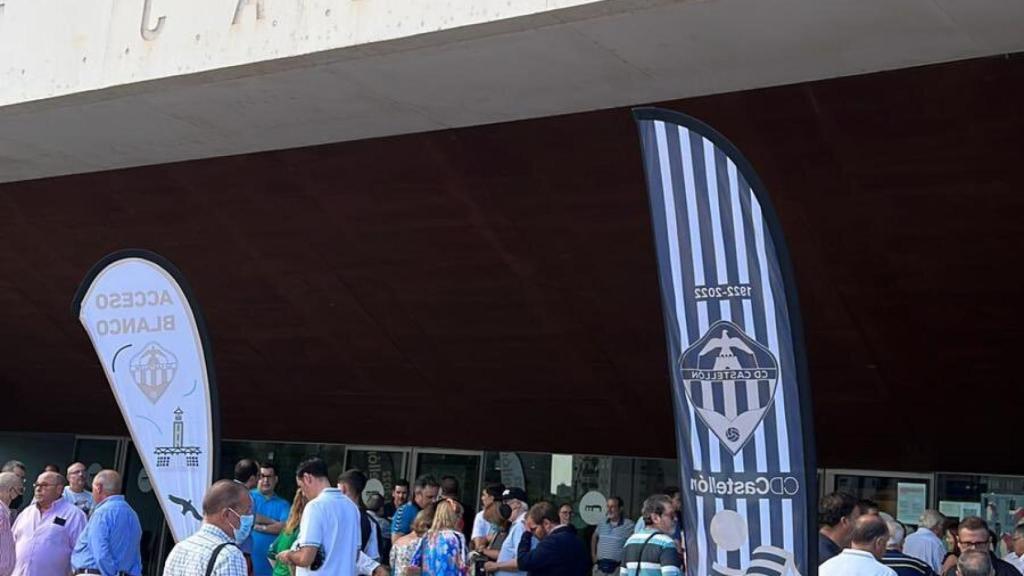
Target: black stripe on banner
753, 523
765, 571
725, 208
768, 557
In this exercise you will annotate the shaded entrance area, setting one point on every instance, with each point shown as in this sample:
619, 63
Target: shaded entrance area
481, 287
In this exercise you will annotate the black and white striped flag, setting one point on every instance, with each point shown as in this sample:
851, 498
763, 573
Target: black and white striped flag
743, 415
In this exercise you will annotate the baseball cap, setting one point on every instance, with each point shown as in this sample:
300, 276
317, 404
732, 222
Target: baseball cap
514, 494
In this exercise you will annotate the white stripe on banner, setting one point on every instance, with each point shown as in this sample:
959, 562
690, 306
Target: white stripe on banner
672, 230
787, 523
773, 335
691, 209
723, 555
739, 229
741, 507
766, 523
714, 449
722, 268
711, 174
702, 545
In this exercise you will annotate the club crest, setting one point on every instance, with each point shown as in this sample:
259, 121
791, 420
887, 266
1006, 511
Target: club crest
730, 380
153, 369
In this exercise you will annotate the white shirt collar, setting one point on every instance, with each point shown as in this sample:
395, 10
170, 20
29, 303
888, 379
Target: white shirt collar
863, 553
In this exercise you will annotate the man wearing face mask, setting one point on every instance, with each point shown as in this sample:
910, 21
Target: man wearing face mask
18, 469
558, 553
227, 520
9, 490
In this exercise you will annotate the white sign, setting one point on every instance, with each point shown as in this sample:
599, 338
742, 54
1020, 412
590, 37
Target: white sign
593, 508
911, 499
373, 486
148, 341
961, 510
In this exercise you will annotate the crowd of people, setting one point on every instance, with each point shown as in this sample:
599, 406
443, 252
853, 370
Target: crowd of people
330, 527
67, 528
856, 539
337, 527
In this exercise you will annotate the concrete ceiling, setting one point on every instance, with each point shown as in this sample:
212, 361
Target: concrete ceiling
611, 54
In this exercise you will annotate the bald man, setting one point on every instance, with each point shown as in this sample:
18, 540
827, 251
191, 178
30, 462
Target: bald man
78, 491
868, 540
109, 545
45, 533
227, 521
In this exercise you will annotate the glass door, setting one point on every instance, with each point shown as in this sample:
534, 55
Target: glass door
99, 453
156, 538
383, 467
463, 465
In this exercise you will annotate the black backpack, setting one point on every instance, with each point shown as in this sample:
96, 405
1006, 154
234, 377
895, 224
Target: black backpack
366, 531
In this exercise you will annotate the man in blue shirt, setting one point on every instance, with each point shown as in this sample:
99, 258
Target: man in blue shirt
424, 493
109, 545
271, 512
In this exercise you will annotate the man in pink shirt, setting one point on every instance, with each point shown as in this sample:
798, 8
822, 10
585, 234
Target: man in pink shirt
10, 487
45, 533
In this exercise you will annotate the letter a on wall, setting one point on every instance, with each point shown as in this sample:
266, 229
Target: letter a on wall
151, 341
738, 374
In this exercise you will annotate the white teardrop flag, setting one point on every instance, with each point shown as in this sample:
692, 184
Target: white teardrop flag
151, 341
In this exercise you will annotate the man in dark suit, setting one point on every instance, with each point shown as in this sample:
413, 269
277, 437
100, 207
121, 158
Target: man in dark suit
558, 553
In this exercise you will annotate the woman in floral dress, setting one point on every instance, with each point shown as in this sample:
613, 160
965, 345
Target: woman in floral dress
403, 548
442, 551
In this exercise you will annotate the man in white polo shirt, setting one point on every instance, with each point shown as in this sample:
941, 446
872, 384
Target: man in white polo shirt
329, 535
867, 547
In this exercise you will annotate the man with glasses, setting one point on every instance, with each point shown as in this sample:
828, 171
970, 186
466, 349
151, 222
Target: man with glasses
45, 533
973, 536
75, 491
271, 512
1016, 555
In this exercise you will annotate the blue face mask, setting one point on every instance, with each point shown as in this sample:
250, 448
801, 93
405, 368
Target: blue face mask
245, 523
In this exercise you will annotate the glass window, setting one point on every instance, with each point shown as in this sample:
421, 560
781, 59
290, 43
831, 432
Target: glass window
997, 499
286, 458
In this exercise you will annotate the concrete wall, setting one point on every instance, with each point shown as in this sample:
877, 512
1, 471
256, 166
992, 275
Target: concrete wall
55, 47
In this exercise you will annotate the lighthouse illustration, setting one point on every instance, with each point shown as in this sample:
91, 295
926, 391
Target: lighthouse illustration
165, 454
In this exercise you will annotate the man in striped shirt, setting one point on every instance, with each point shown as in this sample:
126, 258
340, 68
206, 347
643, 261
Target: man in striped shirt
609, 538
651, 551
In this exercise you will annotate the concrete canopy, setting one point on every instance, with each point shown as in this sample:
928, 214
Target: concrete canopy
201, 91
